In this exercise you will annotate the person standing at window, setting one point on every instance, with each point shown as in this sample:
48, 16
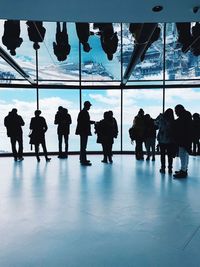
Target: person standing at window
63, 120
84, 130
183, 138
38, 127
13, 123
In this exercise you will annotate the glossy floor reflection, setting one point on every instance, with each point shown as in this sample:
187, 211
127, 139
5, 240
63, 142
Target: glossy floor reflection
61, 214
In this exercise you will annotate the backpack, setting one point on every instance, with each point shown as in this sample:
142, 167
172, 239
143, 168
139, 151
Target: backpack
132, 133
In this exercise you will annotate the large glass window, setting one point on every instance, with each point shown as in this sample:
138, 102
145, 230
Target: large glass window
49, 102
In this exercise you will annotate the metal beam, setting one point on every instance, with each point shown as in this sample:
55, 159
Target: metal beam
146, 32
15, 66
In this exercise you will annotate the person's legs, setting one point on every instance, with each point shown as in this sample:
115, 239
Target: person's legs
13, 146
162, 157
169, 149
60, 145
109, 152
66, 138
147, 145
83, 140
153, 148
184, 158
20, 150
37, 152
105, 160
45, 150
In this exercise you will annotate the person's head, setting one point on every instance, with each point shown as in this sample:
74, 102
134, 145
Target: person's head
141, 112
12, 52
36, 46
110, 56
86, 47
169, 114
196, 116
179, 109
147, 117
60, 108
37, 113
14, 111
87, 105
111, 113
106, 115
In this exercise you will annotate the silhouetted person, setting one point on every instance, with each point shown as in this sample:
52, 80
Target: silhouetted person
149, 136
196, 134
63, 120
139, 128
195, 47
36, 33
109, 39
141, 36
106, 132
11, 37
13, 123
38, 127
61, 47
84, 130
183, 138
184, 35
165, 124
83, 33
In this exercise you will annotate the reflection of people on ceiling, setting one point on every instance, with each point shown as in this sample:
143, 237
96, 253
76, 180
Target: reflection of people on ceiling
196, 39
83, 33
184, 36
36, 32
140, 36
61, 47
11, 37
109, 39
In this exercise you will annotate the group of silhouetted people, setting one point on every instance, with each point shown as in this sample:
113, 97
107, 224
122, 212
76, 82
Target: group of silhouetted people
106, 131
179, 136
175, 137
61, 47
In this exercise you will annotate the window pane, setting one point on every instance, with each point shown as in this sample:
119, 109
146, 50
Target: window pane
49, 101
187, 97
49, 66
151, 67
95, 64
179, 65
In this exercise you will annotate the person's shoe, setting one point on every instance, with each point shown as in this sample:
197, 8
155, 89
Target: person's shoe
153, 159
86, 163
180, 175
162, 170
60, 156
15, 158
104, 161
148, 158
20, 159
110, 159
48, 159
38, 159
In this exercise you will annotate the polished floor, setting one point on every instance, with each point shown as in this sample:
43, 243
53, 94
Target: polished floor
61, 214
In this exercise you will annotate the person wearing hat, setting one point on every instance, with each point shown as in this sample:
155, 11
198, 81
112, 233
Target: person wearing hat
38, 127
13, 123
84, 130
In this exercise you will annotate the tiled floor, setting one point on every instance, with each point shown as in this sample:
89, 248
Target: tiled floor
61, 214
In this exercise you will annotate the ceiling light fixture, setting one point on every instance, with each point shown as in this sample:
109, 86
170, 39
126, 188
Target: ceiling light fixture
157, 8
